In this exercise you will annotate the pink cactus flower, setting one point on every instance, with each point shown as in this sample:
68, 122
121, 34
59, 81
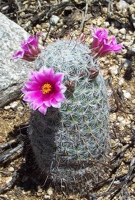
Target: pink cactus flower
30, 49
103, 44
44, 89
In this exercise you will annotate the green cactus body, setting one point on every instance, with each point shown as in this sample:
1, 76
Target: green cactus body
65, 140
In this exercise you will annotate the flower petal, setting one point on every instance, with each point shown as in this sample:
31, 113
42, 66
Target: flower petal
32, 85
59, 97
18, 54
43, 109
31, 95
59, 77
55, 104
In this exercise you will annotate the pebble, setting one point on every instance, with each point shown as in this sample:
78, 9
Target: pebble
39, 194
99, 21
134, 179
114, 69
54, 19
109, 92
128, 156
105, 10
13, 105
127, 138
22, 14
50, 191
126, 94
125, 62
115, 31
120, 118
38, 26
40, 190
129, 37
47, 197
113, 117
131, 9
20, 108
133, 101
11, 169
122, 31
43, 25
122, 5
121, 128
106, 24
121, 81
71, 197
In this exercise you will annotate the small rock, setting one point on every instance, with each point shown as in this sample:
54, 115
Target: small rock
109, 92
54, 19
39, 194
94, 22
106, 24
113, 117
20, 108
126, 63
120, 118
7, 107
114, 69
127, 138
126, 94
131, 9
13, 105
115, 31
134, 179
133, 101
38, 26
71, 197
121, 81
122, 5
11, 169
43, 25
105, 10
129, 37
99, 21
128, 156
121, 127
123, 31
50, 191
47, 197
40, 190
22, 14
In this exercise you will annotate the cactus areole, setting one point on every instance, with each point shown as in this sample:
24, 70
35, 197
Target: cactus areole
66, 139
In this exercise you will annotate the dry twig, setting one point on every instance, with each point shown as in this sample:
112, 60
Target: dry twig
8, 153
84, 16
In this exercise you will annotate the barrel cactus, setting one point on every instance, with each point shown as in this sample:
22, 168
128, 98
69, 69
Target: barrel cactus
64, 140
70, 141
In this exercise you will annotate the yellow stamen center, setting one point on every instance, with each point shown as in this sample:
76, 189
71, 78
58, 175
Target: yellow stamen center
46, 88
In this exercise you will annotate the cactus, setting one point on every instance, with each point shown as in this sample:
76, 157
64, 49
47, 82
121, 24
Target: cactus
66, 140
